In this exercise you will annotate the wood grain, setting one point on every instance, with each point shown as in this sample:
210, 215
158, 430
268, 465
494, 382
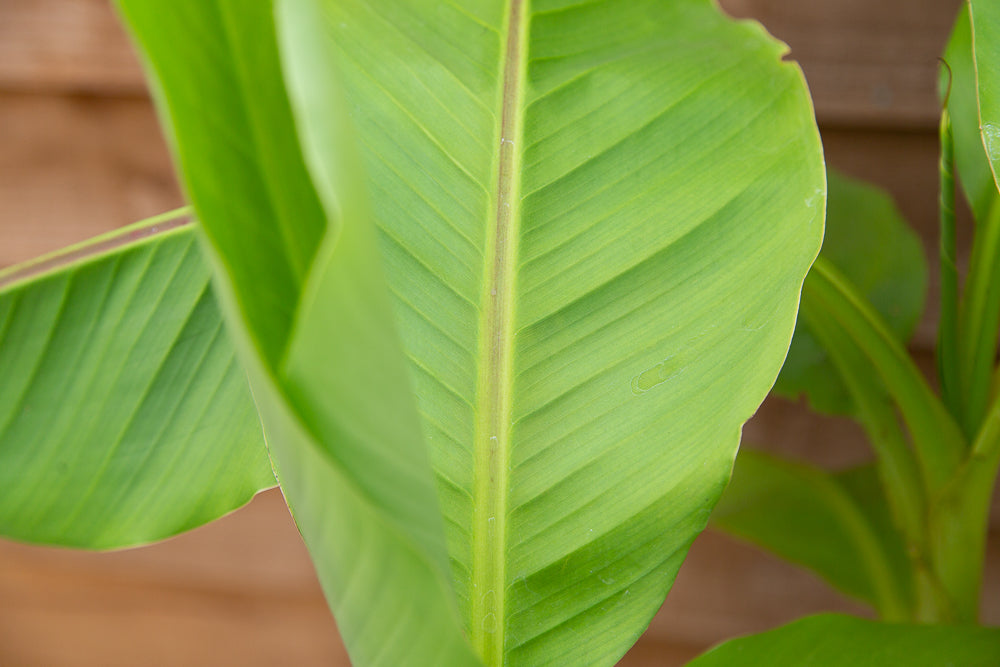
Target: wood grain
66, 46
72, 167
868, 63
239, 592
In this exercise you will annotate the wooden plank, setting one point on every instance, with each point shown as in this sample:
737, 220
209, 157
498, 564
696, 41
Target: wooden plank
868, 63
66, 46
238, 553
655, 653
726, 588
164, 632
73, 167
84, 165
240, 591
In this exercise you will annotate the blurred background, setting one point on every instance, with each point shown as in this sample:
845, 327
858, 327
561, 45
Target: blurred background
80, 153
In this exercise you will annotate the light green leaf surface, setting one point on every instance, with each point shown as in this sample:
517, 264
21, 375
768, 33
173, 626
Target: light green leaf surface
834, 640
973, 165
124, 415
870, 242
594, 221
342, 426
837, 525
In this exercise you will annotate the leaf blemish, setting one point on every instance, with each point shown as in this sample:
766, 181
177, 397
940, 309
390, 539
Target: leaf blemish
490, 623
811, 201
991, 134
653, 376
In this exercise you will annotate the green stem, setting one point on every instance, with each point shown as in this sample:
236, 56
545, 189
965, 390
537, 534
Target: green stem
986, 446
933, 605
947, 341
891, 603
959, 520
980, 322
958, 524
938, 441
897, 467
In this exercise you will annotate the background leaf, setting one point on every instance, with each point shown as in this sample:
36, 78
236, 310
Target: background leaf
835, 524
834, 640
937, 439
870, 242
124, 415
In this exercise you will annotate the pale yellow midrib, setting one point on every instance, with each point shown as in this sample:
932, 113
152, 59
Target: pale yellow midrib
492, 437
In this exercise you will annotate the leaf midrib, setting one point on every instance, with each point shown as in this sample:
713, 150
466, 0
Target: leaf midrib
493, 410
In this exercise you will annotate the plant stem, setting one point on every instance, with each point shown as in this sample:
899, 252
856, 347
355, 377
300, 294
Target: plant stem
947, 340
980, 321
959, 520
938, 441
897, 468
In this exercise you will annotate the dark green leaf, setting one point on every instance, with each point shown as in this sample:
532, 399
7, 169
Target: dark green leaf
837, 525
833, 640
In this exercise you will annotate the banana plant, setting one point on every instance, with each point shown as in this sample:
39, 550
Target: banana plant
488, 287
506, 279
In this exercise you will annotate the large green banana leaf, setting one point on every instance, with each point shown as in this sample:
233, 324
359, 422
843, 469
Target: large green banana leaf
594, 220
834, 640
870, 242
124, 415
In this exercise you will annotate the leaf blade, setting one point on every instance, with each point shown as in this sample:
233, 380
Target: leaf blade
360, 521
610, 98
124, 418
834, 639
427, 98
972, 45
815, 519
973, 164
